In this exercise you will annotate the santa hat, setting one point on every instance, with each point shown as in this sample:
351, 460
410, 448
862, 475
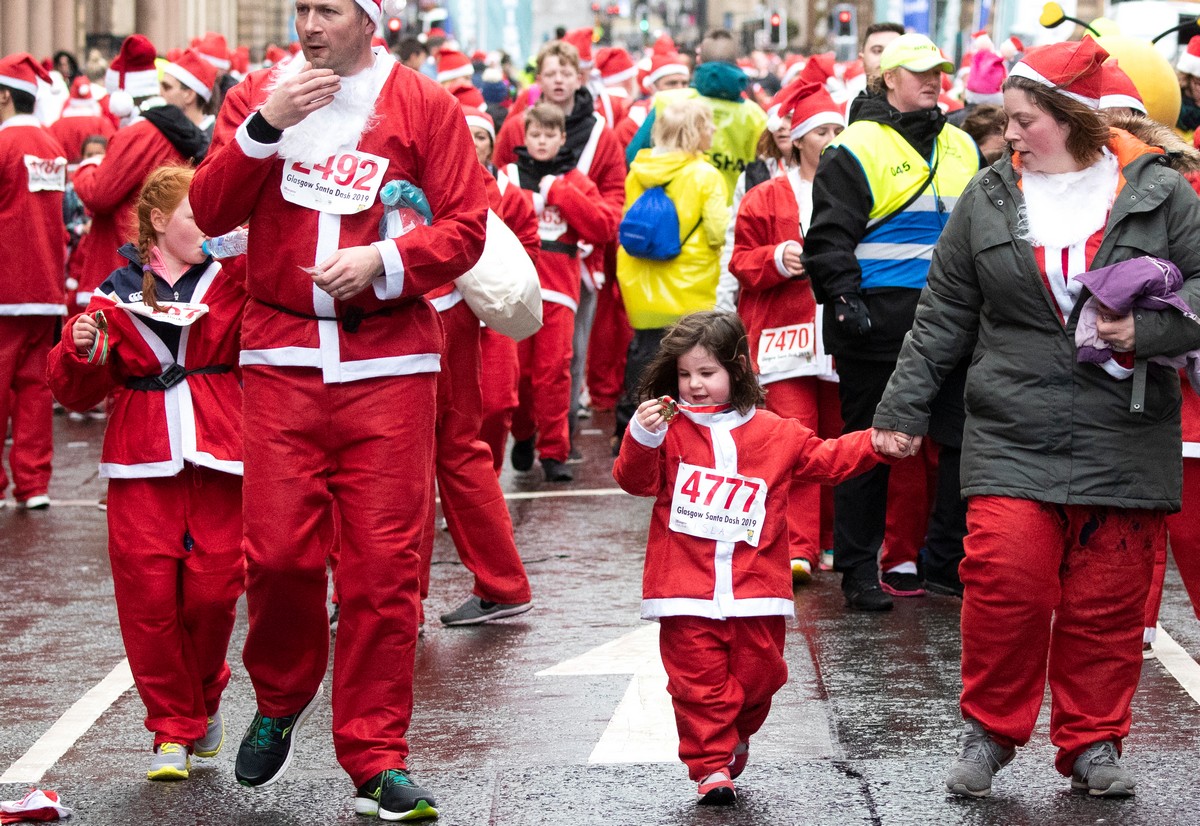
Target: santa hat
481, 120
175, 54
436, 31
664, 65
194, 72
276, 55
452, 65
376, 9
793, 66
581, 39
664, 45
615, 65
1117, 89
21, 72
81, 89
809, 106
214, 48
1012, 47
294, 48
132, 70
986, 78
240, 60
1071, 69
819, 68
1189, 61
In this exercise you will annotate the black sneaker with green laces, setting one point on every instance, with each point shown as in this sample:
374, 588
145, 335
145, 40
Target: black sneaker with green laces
392, 795
268, 746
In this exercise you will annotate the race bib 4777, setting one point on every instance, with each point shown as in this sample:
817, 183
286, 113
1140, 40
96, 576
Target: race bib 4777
725, 507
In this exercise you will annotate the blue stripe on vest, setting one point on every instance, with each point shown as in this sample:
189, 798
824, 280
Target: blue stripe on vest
911, 272
908, 228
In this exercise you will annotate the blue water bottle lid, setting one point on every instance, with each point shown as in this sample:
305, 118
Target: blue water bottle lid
390, 194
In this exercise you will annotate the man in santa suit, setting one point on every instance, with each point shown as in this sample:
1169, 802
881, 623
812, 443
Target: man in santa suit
667, 71
339, 356
454, 71
109, 184
33, 177
81, 118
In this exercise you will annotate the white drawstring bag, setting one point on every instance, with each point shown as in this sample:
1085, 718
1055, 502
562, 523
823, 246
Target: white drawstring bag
502, 289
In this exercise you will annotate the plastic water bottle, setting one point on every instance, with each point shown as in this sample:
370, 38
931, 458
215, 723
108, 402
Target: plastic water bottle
228, 245
404, 209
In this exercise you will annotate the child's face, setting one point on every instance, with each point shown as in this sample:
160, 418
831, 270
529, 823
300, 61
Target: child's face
178, 234
543, 144
702, 379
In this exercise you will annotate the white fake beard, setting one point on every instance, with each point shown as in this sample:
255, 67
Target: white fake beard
338, 124
1063, 209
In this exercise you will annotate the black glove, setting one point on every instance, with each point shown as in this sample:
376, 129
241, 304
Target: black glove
851, 315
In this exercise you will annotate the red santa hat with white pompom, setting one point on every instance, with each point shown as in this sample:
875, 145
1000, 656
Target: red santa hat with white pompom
375, 9
1189, 61
1071, 69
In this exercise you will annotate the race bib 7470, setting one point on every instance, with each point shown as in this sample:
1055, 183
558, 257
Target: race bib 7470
725, 507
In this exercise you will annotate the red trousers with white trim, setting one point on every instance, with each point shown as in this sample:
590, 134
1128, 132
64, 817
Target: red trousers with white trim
545, 388
810, 507
499, 380
1183, 535
912, 486
472, 501
608, 345
368, 446
1054, 591
721, 675
25, 398
175, 544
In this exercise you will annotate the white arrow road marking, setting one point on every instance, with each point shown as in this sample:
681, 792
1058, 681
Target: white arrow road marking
70, 727
1178, 663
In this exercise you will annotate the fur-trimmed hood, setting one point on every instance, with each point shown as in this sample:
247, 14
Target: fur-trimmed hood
1184, 158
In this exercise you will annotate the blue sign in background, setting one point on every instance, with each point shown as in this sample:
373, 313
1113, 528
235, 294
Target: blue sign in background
916, 16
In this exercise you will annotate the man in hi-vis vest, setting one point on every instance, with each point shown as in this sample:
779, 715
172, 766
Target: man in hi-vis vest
882, 194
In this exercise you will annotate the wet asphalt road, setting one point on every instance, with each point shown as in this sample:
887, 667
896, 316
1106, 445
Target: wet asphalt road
861, 734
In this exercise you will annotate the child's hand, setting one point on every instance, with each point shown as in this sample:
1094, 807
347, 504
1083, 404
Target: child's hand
84, 333
650, 415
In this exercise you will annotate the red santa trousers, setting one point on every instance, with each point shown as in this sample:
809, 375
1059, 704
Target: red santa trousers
175, 544
25, 398
911, 488
721, 675
609, 343
501, 374
472, 501
810, 507
368, 445
545, 388
1057, 591
1183, 535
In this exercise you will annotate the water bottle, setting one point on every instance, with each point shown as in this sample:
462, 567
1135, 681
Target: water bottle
404, 209
229, 245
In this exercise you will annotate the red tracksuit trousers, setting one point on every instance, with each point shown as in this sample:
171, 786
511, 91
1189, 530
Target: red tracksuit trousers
1054, 591
1183, 535
25, 398
609, 343
721, 675
472, 501
810, 507
911, 488
368, 446
545, 389
175, 544
500, 376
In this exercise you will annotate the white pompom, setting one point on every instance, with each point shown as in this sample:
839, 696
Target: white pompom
120, 103
394, 8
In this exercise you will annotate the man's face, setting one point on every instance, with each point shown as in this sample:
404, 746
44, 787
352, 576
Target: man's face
671, 82
334, 34
872, 50
559, 81
175, 93
416, 60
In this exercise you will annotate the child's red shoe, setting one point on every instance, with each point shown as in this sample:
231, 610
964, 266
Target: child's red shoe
741, 753
716, 790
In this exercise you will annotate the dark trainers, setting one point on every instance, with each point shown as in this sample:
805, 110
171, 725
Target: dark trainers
392, 795
522, 455
557, 471
268, 746
476, 611
716, 790
950, 586
864, 593
1099, 772
900, 584
978, 761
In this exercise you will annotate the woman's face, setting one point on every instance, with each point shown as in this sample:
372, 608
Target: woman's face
178, 235
814, 141
783, 137
483, 144
1037, 135
1192, 86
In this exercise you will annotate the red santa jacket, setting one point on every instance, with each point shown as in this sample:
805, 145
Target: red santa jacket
718, 544
770, 300
419, 136
151, 433
72, 129
569, 210
633, 120
33, 240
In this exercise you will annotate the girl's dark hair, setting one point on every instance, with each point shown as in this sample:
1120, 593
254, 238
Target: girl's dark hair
721, 334
1087, 133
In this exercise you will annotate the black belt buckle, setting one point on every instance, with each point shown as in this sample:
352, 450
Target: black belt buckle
352, 318
171, 376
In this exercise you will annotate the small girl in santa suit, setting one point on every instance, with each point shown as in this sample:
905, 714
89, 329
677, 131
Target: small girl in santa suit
717, 574
173, 457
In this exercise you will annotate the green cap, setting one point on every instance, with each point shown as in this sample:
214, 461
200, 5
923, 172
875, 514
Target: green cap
914, 52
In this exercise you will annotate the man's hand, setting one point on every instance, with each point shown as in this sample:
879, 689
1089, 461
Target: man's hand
348, 272
1117, 330
791, 260
299, 95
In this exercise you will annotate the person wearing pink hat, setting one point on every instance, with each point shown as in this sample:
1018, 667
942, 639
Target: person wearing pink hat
1069, 468
338, 336
33, 178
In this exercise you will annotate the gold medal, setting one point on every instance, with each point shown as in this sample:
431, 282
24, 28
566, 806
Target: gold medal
669, 409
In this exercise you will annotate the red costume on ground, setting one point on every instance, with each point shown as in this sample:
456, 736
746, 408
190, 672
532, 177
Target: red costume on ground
173, 459
33, 249
723, 601
358, 396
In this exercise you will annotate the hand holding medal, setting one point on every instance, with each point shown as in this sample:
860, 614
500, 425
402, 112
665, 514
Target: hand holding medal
655, 414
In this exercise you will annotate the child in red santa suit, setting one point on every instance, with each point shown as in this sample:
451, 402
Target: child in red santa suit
717, 574
173, 457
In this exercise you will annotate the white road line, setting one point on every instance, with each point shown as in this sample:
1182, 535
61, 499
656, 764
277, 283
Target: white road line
1178, 662
516, 496
52, 745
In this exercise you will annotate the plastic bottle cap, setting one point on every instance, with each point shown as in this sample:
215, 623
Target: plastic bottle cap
390, 194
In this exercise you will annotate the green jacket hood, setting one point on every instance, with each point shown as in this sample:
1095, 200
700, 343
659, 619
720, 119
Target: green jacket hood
720, 80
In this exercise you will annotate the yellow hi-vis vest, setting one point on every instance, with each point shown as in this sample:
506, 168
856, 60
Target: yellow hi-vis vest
899, 252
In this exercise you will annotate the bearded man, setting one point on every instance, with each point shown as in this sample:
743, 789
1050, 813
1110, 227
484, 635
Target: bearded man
338, 361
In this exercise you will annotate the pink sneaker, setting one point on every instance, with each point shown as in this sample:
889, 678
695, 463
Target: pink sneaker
716, 790
737, 764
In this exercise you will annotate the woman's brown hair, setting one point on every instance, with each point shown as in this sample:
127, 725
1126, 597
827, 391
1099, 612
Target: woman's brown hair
164, 190
1087, 133
721, 334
